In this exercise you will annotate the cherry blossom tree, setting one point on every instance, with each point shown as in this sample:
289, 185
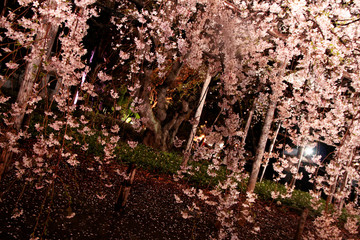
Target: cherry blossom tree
299, 58
36, 32
306, 38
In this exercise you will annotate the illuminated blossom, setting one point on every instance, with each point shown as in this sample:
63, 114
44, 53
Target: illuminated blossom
177, 199
17, 213
101, 196
12, 65
72, 160
132, 144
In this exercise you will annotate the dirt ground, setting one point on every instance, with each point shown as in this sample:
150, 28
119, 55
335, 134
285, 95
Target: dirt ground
151, 211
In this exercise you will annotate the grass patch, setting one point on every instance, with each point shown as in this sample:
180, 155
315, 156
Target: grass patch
298, 201
149, 159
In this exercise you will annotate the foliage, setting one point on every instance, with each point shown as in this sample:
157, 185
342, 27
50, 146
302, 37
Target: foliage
147, 158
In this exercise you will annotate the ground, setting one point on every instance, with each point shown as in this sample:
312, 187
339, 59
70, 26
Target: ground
151, 211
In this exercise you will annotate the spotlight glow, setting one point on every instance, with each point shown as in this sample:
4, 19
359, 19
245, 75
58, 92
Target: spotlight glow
309, 151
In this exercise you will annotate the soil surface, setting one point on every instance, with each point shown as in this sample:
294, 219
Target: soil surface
151, 211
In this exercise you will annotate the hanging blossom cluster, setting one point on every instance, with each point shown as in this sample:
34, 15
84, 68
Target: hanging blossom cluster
313, 72
37, 32
52, 33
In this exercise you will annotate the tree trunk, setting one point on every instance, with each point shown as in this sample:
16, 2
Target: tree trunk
270, 151
51, 36
330, 196
4, 8
262, 144
301, 224
197, 117
125, 188
345, 180
6, 155
163, 139
171, 128
157, 118
301, 154
32, 71
248, 122
44, 40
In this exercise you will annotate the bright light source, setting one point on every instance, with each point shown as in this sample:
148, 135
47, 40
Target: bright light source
199, 138
309, 151
128, 120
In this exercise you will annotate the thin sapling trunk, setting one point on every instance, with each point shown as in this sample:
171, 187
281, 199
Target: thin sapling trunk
197, 117
125, 188
270, 151
262, 144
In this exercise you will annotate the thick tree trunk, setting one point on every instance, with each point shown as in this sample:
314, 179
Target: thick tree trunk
44, 41
163, 139
262, 144
270, 151
25, 91
171, 128
32, 71
157, 123
197, 117
51, 37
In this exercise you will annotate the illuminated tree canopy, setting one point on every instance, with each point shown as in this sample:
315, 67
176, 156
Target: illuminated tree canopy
78, 73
